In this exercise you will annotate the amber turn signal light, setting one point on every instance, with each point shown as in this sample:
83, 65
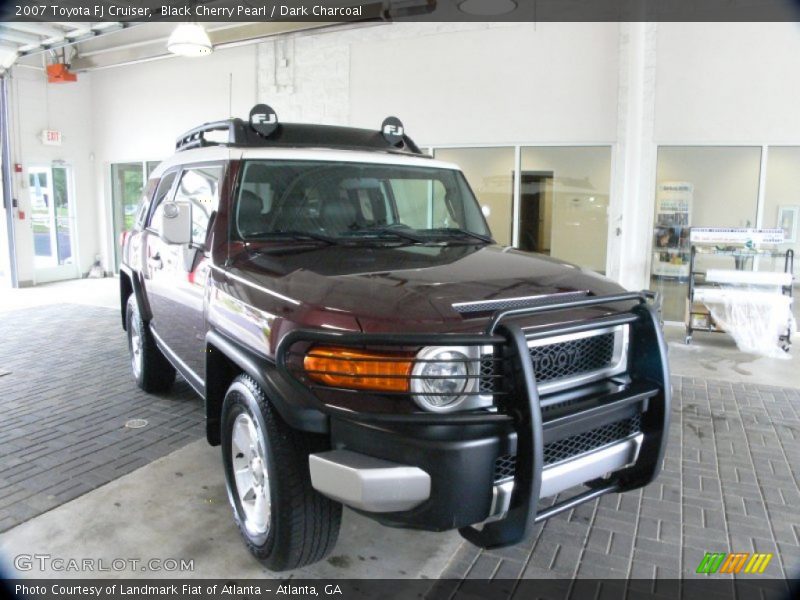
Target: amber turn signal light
359, 369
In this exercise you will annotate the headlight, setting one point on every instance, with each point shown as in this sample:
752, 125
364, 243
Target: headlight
444, 377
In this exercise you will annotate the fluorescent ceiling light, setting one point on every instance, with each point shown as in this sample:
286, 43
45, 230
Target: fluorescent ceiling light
189, 39
487, 8
7, 58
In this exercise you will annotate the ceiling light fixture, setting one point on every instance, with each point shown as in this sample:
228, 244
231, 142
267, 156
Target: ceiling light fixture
189, 39
487, 8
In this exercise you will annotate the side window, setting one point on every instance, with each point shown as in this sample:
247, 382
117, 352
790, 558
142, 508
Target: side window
164, 186
199, 186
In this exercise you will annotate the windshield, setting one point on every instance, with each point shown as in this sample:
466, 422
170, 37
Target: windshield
335, 201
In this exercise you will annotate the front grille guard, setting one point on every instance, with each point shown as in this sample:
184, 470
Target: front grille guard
647, 366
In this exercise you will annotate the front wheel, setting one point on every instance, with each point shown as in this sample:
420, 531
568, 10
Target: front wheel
285, 523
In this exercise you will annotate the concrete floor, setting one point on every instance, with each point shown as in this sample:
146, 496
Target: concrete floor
715, 356
176, 506
89, 292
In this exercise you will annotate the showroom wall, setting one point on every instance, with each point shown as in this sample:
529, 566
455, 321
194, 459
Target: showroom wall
728, 82
545, 82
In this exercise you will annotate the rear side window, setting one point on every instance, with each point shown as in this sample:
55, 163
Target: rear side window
199, 186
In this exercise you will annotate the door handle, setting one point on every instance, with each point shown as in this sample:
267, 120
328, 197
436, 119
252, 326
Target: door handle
155, 262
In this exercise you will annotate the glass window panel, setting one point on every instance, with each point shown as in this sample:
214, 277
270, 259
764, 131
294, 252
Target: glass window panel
41, 196
564, 196
5, 263
782, 197
346, 199
698, 186
62, 215
490, 173
127, 183
200, 187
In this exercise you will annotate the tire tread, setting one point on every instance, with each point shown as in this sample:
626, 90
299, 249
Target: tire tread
307, 523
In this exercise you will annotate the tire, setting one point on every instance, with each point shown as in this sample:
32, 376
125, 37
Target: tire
152, 371
285, 523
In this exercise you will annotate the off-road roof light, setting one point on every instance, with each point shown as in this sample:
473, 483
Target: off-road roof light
262, 129
263, 120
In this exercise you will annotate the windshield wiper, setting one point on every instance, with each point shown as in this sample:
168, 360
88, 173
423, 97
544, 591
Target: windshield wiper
401, 232
463, 232
292, 234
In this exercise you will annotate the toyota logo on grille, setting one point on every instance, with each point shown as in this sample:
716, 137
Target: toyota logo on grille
556, 358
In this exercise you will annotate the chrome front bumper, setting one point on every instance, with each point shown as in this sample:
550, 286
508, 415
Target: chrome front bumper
575, 471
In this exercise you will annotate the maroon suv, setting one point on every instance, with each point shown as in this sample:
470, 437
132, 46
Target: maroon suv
336, 298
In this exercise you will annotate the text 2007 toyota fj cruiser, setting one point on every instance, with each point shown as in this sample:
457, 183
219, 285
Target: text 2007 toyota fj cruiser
336, 298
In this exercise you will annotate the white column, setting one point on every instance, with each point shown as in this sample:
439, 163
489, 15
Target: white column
633, 185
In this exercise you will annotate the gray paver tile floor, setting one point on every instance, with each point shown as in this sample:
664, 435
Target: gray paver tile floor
729, 484
64, 404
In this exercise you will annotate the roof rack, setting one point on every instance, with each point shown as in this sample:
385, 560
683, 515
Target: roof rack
264, 131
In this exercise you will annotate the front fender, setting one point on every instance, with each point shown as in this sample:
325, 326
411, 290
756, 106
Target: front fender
297, 410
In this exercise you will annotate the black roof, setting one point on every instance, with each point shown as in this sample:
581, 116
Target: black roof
297, 135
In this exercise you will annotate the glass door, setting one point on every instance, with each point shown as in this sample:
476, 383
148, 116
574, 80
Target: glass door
52, 223
564, 201
127, 183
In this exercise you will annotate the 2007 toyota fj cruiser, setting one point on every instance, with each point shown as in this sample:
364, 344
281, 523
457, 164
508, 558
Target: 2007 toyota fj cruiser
336, 298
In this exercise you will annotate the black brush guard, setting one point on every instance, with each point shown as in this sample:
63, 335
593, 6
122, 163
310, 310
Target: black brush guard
649, 388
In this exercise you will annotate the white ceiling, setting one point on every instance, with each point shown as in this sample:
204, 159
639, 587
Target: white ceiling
91, 46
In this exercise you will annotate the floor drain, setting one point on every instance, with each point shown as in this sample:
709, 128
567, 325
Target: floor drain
136, 423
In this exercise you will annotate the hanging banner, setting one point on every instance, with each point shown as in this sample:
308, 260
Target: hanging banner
736, 235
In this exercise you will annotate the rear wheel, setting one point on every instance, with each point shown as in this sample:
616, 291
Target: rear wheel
285, 523
152, 371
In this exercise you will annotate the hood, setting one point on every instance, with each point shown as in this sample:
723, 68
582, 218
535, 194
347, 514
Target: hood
392, 288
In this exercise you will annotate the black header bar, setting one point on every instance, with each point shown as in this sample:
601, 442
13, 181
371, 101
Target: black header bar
399, 10
399, 589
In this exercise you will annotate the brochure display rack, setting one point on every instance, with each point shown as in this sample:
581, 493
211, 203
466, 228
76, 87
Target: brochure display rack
750, 303
671, 239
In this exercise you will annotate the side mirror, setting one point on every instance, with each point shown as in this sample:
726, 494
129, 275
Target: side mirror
486, 211
176, 223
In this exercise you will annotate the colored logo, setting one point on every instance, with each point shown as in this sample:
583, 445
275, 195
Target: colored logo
734, 562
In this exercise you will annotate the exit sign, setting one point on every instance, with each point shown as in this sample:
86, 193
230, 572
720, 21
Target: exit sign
51, 137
